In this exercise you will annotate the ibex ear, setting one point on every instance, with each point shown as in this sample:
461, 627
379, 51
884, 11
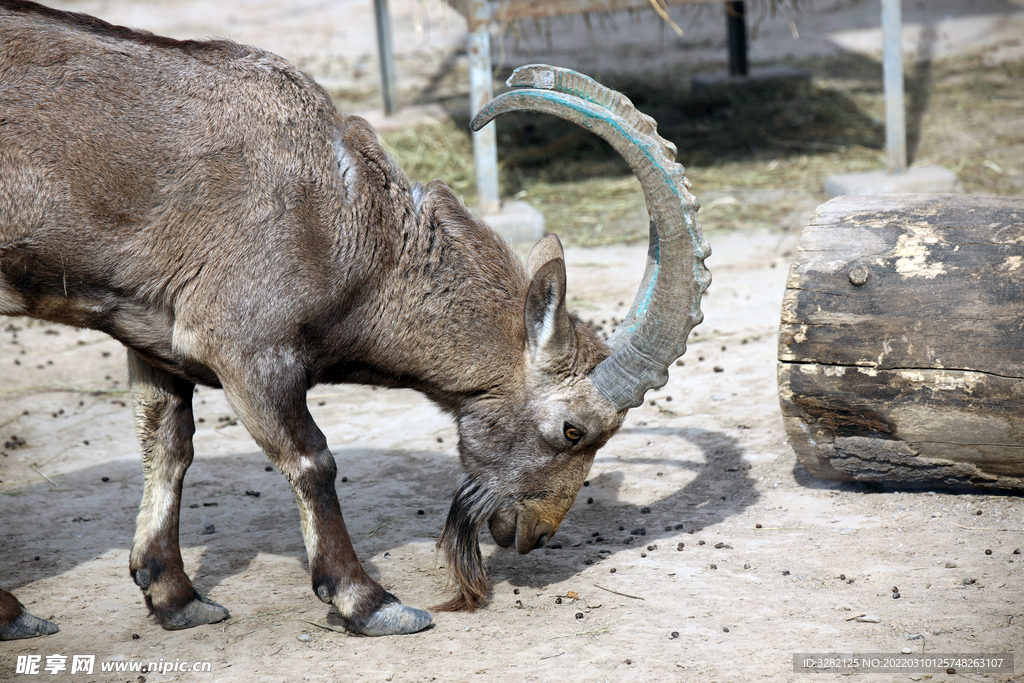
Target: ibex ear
548, 330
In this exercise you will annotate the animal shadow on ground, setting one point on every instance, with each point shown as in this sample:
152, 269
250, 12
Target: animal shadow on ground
390, 499
720, 489
93, 510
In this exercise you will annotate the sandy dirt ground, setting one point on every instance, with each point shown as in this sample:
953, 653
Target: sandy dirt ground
773, 561
699, 549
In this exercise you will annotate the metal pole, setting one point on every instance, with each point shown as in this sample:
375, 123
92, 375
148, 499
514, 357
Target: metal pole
736, 23
892, 69
386, 52
481, 91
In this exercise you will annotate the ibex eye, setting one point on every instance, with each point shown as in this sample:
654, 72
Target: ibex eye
574, 434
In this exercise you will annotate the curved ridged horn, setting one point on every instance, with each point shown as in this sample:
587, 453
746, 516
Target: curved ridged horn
667, 305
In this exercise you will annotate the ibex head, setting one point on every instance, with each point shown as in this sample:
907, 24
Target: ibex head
526, 453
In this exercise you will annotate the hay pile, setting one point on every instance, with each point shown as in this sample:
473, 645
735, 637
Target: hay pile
752, 155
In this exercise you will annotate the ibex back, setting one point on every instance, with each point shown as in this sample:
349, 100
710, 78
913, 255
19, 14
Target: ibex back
205, 204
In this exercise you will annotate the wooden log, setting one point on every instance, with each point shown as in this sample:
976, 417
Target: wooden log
901, 346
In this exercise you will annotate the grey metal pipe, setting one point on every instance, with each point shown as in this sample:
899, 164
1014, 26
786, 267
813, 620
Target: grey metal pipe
386, 53
481, 91
892, 69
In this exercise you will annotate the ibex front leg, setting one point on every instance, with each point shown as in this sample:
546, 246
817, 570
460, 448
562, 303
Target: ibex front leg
163, 422
16, 623
274, 411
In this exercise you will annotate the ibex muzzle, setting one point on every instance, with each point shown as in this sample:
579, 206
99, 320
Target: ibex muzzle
205, 204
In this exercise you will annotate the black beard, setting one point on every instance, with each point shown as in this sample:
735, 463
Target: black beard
472, 505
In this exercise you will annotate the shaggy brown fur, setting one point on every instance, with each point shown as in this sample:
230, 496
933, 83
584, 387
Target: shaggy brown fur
205, 204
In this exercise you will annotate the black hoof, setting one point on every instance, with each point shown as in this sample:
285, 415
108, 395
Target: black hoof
394, 618
200, 610
27, 626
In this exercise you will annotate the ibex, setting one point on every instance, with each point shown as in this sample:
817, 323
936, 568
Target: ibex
205, 204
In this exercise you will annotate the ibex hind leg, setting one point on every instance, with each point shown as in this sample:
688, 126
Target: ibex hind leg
164, 425
275, 413
16, 623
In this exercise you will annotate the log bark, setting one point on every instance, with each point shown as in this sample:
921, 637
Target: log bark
901, 346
